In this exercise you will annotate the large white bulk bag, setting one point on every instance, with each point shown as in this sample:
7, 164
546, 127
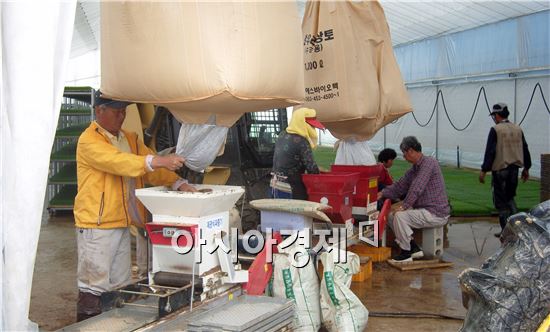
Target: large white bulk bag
351, 76
201, 58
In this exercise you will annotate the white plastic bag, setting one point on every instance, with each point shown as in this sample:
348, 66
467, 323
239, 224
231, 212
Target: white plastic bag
301, 285
341, 308
200, 144
353, 152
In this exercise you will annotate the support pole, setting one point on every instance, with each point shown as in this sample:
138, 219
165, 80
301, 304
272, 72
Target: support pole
437, 122
457, 156
515, 100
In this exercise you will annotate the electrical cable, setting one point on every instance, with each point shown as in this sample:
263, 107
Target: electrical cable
243, 202
480, 251
192, 285
433, 112
413, 315
531, 100
482, 89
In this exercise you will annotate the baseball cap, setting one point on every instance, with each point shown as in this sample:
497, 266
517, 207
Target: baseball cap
100, 100
315, 123
500, 109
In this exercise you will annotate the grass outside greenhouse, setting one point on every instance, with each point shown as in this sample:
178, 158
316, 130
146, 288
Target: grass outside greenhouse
468, 197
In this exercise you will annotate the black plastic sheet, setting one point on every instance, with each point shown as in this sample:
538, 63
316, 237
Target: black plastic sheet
511, 290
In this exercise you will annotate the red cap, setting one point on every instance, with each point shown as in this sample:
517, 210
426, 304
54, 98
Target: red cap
315, 123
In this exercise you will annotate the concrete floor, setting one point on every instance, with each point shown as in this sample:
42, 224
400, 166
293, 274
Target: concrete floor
434, 291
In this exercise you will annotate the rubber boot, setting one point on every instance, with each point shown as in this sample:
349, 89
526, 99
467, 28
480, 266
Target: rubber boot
503, 218
88, 305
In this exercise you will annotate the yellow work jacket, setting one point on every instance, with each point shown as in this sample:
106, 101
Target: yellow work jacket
101, 168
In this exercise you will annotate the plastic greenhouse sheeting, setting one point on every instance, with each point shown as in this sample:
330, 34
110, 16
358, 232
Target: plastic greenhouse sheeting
453, 115
433, 124
511, 291
31, 92
511, 44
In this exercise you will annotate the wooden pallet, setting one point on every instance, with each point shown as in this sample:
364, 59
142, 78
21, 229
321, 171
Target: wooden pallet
420, 264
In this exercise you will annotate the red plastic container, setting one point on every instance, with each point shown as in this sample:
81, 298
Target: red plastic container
340, 203
367, 186
334, 189
161, 234
333, 183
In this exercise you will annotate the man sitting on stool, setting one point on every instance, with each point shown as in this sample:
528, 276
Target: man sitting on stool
425, 204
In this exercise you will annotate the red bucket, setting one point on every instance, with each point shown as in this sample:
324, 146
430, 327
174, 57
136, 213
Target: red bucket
334, 189
332, 183
367, 186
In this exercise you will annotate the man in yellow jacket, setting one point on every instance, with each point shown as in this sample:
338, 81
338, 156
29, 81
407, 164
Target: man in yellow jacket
111, 164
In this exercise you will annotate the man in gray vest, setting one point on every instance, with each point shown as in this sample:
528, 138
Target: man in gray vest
505, 154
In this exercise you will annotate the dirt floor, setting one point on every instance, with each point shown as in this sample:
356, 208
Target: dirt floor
389, 291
